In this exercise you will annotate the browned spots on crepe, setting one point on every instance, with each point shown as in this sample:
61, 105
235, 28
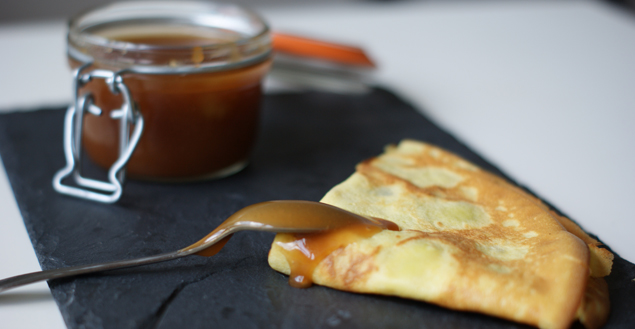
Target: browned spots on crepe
469, 241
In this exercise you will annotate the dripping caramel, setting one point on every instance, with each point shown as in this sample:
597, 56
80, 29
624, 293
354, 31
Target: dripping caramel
331, 228
305, 251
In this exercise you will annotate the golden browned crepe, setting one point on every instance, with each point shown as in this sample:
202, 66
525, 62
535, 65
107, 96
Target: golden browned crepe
469, 241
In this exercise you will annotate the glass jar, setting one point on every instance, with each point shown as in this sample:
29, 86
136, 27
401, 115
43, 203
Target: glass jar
193, 71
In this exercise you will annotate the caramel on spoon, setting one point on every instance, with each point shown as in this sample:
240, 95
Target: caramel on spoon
271, 216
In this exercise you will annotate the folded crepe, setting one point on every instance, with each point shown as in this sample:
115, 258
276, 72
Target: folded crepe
469, 241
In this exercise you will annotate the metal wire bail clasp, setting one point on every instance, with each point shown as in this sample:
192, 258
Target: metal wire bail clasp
91, 189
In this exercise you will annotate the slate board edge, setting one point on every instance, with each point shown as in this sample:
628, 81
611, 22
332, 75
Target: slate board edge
15, 181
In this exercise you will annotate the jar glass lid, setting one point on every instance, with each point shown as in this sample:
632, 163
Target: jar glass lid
169, 37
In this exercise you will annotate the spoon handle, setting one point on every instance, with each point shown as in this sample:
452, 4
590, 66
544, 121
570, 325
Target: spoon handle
24, 279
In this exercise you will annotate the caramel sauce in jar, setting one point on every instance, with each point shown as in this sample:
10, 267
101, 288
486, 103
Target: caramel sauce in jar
197, 86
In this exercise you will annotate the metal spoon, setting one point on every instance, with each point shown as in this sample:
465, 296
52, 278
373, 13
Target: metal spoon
271, 216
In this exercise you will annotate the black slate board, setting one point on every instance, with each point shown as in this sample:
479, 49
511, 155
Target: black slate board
309, 142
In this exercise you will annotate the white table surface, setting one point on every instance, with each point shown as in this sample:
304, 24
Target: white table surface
544, 90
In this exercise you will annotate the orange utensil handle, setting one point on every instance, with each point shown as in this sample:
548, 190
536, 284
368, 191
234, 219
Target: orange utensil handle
305, 47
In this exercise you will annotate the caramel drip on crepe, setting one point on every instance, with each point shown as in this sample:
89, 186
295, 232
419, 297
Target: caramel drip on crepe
469, 241
305, 251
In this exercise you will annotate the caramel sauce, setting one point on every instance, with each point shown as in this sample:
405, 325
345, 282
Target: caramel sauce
214, 249
197, 125
305, 251
170, 39
319, 230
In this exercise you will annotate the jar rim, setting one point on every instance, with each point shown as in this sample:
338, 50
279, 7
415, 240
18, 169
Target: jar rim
250, 42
